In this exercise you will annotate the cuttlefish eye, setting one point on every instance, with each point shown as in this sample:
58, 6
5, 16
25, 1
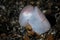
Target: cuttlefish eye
35, 18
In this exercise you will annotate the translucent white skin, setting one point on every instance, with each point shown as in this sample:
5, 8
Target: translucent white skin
35, 18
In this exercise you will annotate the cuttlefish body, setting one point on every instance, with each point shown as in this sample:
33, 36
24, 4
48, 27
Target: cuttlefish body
34, 17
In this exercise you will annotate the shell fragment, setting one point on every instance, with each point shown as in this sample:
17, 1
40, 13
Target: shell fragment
33, 16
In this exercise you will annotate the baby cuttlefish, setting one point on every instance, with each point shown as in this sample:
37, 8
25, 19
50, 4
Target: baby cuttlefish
35, 18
